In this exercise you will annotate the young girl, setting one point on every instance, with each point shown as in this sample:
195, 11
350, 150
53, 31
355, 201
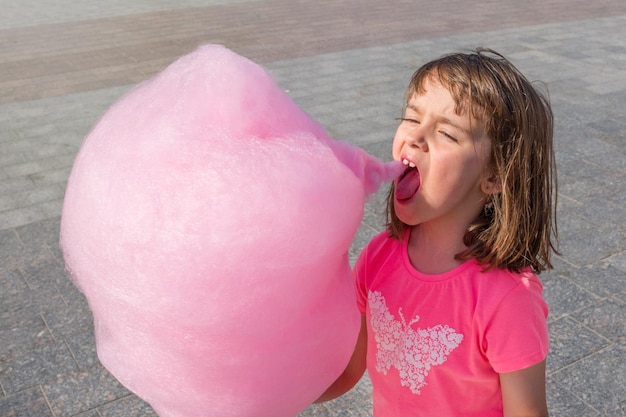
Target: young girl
454, 323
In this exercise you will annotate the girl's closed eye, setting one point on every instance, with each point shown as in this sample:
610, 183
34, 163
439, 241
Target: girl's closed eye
408, 120
448, 136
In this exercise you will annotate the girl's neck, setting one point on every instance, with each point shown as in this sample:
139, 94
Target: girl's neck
432, 251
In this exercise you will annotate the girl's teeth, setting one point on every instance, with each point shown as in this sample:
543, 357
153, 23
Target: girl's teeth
409, 163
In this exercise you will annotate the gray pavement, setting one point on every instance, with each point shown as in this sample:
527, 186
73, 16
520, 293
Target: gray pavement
48, 364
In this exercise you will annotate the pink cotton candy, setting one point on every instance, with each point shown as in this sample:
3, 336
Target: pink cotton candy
207, 220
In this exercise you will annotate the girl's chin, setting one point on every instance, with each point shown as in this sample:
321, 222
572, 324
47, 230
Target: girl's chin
405, 215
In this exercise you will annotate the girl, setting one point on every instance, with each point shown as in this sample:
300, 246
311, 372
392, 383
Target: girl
454, 323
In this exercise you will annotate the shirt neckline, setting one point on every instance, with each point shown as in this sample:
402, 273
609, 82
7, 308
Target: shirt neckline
454, 272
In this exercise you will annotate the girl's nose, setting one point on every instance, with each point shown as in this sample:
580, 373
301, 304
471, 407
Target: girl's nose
416, 138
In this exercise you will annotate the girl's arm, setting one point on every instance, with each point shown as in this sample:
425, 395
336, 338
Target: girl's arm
524, 392
354, 371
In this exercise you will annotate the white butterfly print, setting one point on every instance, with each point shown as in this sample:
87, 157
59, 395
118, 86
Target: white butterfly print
413, 352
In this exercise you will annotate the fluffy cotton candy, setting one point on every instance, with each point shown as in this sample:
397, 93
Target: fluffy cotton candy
207, 220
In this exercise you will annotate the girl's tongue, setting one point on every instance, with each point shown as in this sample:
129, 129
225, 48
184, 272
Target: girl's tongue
408, 184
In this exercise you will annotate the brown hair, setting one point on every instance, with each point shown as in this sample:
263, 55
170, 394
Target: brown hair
517, 227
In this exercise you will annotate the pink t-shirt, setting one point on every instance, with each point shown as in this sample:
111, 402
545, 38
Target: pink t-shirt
436, 343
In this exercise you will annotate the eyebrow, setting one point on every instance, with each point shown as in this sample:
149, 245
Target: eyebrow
444, 120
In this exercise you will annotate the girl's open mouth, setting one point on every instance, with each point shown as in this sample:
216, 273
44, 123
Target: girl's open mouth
408, 183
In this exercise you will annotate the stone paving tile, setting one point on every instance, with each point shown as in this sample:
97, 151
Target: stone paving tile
564, 297
349, 72
603, 280
83, 348
38, 63
599, 380
571, 341
606, 319
90, 413
28, 403
129, 406
43, 12
565, 403
74, 393
41, 364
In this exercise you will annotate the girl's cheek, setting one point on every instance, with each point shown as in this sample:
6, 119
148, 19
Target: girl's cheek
396, 147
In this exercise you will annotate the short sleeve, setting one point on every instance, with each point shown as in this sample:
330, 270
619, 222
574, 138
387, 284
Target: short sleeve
517, 334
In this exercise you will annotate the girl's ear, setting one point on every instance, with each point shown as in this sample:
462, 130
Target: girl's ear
491, 185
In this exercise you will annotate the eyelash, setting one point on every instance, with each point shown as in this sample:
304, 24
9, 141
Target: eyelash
447, 135
452, 138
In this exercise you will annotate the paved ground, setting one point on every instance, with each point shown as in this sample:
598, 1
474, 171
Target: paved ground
62, 63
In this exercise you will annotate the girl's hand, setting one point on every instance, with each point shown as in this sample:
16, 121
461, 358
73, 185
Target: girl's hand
524, 392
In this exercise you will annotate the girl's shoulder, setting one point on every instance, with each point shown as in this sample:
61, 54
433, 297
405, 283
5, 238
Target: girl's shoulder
509, 278
383, 242
502, 287
381, 239
379, 250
